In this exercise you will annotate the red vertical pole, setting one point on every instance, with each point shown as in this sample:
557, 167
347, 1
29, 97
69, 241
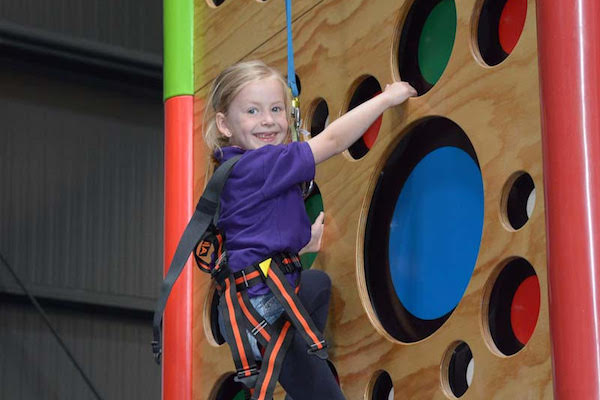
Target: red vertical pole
569, 66
177, 322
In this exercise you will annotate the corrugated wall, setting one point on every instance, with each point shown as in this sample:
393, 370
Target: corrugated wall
112, 350
81, 196
81, 177
81, 193
131, 24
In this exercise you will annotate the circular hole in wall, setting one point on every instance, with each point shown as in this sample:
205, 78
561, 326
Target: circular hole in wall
518, 200
382, 387
215, 3
368, 88
426, 42
423, 229
211, 317
513, 306
499, 28
319, 117
298, 84
314, 206
228, 389
458, 367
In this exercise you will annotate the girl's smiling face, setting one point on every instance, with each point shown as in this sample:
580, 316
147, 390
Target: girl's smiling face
257, 116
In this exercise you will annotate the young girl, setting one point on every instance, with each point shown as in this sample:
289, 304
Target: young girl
262, 209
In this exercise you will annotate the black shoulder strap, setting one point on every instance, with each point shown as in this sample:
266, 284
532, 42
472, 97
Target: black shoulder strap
206, 212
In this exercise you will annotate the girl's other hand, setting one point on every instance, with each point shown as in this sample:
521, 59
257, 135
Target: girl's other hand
316, 234
397, 92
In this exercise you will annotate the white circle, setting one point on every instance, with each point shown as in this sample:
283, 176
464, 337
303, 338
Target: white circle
470, 370
530, 203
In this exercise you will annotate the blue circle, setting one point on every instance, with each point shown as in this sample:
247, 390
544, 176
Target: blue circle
435, 232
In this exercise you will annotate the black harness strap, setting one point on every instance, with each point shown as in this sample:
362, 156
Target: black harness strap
261, 329
273, 360
275, 338
236, 310
241, 351
205, 214
296, 312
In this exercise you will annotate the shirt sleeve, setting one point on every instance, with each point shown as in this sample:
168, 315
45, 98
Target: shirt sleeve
287, 165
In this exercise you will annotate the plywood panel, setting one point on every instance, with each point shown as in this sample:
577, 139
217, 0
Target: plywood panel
336, 43
225, 34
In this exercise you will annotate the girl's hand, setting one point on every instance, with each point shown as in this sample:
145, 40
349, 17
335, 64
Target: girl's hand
397, 93
316, 233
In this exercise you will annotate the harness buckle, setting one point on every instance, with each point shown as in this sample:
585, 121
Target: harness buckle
250, 380
321, 353
219, 274
261, 325
157, 351
220, 259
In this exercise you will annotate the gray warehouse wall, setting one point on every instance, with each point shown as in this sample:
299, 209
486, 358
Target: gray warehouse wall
81, 195
81, 176
130, 24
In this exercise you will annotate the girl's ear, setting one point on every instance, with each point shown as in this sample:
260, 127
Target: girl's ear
221, 122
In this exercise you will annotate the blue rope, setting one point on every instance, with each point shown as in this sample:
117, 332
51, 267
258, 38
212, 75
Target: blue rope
291, 74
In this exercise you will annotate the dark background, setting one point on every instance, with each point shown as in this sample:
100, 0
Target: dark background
81, 195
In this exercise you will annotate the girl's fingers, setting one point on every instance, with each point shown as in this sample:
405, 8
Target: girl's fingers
320, 217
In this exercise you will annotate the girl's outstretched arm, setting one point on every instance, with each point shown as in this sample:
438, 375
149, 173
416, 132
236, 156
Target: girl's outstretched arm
344, 131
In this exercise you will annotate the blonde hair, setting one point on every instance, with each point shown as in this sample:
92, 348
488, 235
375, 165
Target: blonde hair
224, 89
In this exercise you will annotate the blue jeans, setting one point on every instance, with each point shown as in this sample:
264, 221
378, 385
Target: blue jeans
266, 305
303, 376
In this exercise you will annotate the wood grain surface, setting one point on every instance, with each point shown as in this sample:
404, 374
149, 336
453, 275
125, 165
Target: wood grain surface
337, 43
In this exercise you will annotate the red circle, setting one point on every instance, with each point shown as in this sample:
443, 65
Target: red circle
511, 23
370, 135
525, 309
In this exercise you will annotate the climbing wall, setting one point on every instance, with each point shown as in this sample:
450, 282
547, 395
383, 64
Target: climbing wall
434, 236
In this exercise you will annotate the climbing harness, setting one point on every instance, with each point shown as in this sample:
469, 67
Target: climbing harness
205, 215
238, 315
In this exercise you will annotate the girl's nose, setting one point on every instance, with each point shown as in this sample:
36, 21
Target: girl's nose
268, 119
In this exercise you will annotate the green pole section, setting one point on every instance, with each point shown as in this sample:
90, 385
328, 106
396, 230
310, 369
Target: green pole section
178, 65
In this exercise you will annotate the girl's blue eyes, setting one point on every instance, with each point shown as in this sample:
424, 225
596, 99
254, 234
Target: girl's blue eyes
273, 109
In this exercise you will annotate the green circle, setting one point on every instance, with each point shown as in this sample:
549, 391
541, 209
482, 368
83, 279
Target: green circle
313, 205
437, 40
240, 396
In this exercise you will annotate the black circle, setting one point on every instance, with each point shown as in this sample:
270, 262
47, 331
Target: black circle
367, 89
457, 369
298, 84
488, 37
382, 387
319, 118
499, 312
517, 200
229, 389
214, 319
424, 137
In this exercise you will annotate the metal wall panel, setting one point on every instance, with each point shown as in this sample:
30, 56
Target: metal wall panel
81, 189
112, 350
130, 24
